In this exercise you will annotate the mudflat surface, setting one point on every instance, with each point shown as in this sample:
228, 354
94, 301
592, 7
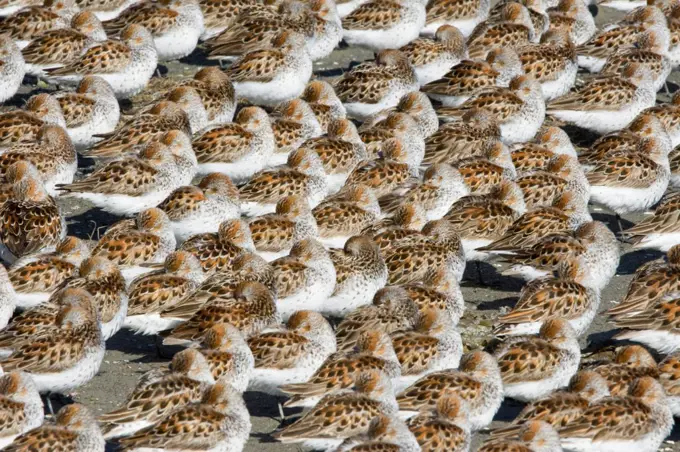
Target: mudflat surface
129, 356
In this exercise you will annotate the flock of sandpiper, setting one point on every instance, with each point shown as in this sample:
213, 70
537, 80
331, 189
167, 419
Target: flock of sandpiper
305, 238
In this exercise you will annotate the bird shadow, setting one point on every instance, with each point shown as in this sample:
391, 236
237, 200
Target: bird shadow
494, 305
631, 262
486, 276
508, 411
91, 224
199, 57
86, 164
601, 339
263, 437
611, 221
329, 73
260, 405
675, 434
147, 346
579, 136
58, 401
161, 71
35, 87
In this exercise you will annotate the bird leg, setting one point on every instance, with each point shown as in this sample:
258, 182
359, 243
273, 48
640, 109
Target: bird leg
48, 403
283, 416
